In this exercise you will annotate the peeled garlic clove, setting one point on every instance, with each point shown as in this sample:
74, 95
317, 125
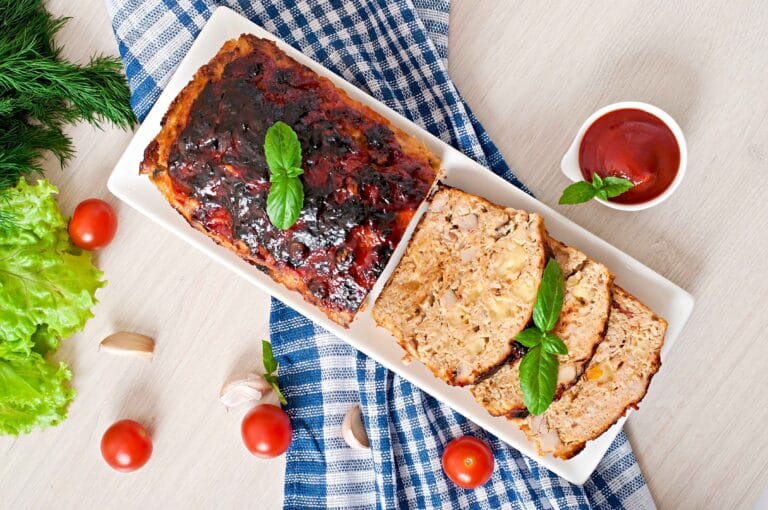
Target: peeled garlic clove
124, 343
244, 388
353, 429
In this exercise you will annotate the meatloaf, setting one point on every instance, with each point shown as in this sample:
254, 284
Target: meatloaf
581, 326
465, 286
363, 177
616, 379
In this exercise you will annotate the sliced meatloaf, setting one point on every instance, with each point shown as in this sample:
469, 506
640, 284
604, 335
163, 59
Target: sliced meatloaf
616, 378
581, 326
465, 286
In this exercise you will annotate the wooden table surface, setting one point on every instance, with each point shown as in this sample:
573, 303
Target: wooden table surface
532, 74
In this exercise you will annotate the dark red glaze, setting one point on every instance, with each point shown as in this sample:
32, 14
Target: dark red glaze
635, 145
360, 189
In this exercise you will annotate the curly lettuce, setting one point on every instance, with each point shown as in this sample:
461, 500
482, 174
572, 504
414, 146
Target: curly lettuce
33, 394
47, 289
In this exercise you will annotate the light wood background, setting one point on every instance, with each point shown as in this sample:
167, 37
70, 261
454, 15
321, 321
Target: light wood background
532, 73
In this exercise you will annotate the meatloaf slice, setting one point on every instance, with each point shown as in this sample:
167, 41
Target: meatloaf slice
465, 286
616, 378
581, 326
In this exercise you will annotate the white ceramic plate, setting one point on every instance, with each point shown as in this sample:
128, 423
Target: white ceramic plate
664, 297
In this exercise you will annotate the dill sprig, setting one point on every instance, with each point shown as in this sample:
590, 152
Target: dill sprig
59, 91
41, 92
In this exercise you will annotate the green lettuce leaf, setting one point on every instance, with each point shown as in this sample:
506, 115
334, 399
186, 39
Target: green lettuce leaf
47, 285
33, 394
47, 289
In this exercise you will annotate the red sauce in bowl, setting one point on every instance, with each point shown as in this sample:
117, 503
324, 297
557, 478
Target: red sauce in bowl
635, 145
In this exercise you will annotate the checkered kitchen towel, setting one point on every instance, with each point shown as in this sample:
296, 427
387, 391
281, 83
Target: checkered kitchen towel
396, 50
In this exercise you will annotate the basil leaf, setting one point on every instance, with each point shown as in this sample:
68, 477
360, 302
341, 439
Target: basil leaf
615, 186
285, 200
270, 363
577, 193
553, 345
602, 188
286, 192
272, 380
549, 299
270, 367
538, 368
530, 337
282, 148
279, 393
538, 379
294, 171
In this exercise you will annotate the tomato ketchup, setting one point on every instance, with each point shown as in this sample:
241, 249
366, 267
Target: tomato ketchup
635, 145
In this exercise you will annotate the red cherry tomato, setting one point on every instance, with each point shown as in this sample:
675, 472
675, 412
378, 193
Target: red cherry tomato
468, 462
126, 446
266, 431
93, 224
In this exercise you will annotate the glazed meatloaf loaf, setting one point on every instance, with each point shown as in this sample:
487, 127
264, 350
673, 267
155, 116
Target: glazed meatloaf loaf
616, 379
581, 326
363, 177
465, 286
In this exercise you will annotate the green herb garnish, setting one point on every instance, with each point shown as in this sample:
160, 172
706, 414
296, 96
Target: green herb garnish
286, 192
538, 369
41, 92
270, 367
604, 189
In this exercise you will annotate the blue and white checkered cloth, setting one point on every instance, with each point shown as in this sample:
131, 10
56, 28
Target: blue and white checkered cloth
396, 50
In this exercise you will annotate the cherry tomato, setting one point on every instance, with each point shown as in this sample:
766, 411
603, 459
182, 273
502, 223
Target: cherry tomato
126, 446
468, 462
93, 224
266, 431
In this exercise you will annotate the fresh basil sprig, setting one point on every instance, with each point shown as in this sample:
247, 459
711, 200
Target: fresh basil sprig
538, 369
270, 367
286, 192
606, 188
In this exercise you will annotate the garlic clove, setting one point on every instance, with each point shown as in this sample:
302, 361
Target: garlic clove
124, 343
353, 429
244, 388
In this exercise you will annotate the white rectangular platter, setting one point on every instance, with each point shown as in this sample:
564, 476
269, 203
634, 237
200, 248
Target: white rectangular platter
664, 297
